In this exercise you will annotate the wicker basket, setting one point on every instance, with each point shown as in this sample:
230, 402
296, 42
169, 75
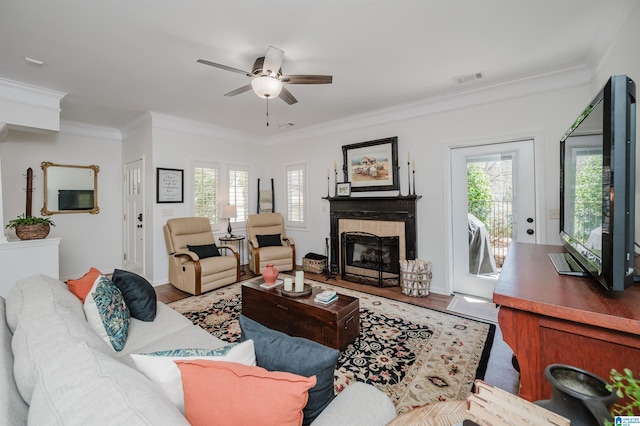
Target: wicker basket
315, 263
415, 277
32, 232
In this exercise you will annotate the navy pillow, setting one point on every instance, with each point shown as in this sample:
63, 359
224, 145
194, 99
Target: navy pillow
204, 251
269, 240
138, 294
276, 351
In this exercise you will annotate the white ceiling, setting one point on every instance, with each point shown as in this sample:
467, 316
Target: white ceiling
120, 58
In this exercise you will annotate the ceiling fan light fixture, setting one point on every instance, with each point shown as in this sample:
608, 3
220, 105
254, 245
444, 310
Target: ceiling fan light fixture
266, 87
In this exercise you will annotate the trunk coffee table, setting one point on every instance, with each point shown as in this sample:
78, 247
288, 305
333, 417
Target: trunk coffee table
335, 325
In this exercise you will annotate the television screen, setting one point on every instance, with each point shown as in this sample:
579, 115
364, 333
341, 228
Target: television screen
75, 199
597, 186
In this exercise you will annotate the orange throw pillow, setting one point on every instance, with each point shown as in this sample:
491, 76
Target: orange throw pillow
82, 285
228, 393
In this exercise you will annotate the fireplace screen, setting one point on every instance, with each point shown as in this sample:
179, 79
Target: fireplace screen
370, 258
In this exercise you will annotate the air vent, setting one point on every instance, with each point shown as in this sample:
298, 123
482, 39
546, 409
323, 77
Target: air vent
469, 77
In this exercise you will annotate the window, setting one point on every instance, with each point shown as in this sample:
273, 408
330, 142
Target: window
239, 191
205, 191
296, 176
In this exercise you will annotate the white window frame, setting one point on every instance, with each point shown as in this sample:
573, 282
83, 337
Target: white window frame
302, 167
216, 223
240, 222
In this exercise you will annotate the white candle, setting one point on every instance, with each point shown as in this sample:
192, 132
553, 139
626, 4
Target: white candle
408, 157
299, 280
288, 284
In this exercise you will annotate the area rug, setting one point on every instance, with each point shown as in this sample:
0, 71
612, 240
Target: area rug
474, 307
414, 355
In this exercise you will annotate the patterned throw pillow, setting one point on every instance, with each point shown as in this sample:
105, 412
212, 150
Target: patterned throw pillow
160, 367
107, 313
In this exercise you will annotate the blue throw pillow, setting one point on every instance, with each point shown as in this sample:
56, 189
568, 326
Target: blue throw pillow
269, 240
276, 351
204, 251
138, 294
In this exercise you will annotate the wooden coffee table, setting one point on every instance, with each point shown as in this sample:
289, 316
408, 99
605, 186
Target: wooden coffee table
335, 325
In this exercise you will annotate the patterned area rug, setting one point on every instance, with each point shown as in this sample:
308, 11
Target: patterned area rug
414, 355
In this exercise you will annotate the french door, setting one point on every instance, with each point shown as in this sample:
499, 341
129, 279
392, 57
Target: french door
492, 204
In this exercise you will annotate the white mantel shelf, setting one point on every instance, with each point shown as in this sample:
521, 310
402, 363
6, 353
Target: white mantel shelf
20, 259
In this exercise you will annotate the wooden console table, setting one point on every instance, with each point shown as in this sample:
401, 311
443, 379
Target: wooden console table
548, 318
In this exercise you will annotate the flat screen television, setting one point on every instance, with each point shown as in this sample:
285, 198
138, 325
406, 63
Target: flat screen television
597, 186
75, 199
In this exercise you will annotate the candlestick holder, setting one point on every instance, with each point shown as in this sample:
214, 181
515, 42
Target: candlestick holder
414, 182
328, 186
409, 177
335, 189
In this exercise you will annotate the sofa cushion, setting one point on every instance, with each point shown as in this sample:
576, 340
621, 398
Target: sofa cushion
39, 292
80, 287
107, 313
277, 351
204, 251
160, 367
277, 398
44, 331
85, 387
269, 240
138, 294
13, 410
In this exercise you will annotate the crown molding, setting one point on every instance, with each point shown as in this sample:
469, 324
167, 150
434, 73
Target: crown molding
576, 75
27, 94
168, 122
90, 130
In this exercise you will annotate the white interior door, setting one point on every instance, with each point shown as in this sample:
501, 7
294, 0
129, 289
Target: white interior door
492, 205
134, 218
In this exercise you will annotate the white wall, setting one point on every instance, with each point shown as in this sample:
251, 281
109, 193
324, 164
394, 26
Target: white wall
86, 239
544, 117
177, 150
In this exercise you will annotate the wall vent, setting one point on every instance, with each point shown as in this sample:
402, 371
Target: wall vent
468, 77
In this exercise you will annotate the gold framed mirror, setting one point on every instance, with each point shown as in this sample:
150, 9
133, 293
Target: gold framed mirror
70, 189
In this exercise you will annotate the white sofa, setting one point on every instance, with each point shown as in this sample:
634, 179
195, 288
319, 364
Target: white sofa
55, 370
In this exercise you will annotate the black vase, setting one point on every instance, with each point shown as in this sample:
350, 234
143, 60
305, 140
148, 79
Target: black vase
578, 395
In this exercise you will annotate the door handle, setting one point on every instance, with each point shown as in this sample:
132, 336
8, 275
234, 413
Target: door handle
140, 217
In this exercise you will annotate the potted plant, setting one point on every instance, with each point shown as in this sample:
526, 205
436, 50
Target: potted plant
31, 227
628, 390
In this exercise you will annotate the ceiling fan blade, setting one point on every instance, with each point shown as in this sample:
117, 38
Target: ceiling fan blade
239, 90
273, 61
224, 67
307, 79
286, 96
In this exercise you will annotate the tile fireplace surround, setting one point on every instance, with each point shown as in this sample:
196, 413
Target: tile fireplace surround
399, 212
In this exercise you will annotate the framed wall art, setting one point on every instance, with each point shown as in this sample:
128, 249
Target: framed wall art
343, 189
169, 185
372, 165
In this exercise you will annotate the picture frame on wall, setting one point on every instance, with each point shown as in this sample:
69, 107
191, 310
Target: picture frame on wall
343, 189
372, 165
169, 185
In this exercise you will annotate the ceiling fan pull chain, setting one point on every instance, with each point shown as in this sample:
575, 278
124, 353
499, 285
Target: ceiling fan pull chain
267, 111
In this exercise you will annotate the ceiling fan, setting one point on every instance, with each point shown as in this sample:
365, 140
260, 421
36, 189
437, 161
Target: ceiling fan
267, 79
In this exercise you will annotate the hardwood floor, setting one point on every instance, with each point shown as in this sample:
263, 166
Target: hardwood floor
500, 371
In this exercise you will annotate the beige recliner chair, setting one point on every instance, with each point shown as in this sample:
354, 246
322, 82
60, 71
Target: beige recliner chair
268, 244
198, 273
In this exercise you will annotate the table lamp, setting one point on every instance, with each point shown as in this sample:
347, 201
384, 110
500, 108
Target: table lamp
229, 212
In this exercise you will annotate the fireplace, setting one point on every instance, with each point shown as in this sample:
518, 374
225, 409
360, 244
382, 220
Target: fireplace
380, 216
370, 258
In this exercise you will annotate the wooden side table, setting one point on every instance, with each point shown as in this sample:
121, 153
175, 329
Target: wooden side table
437, 414
239, 239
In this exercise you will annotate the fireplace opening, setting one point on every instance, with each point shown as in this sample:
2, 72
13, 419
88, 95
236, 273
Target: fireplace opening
370, 258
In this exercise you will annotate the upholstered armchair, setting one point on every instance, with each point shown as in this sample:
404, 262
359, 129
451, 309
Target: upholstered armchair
267, 243
196, 264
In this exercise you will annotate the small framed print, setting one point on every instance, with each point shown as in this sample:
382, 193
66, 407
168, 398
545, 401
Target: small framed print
343, 189
169, 185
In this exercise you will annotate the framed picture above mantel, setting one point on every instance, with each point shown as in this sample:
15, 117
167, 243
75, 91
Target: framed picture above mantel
372, 165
